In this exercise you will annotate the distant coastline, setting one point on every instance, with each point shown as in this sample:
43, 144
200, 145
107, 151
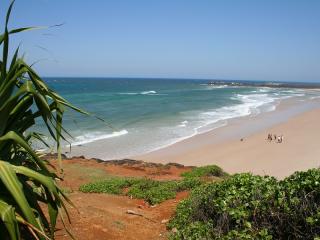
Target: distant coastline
270, 84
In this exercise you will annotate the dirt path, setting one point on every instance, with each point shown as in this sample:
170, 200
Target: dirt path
104, 216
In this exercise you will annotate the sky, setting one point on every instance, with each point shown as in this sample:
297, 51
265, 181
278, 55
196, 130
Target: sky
208, 39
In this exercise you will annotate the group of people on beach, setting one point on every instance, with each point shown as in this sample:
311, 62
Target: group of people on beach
274, 137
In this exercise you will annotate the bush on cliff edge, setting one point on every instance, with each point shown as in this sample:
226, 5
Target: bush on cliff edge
252, 207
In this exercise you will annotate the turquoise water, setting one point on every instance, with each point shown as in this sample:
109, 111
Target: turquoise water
147, 114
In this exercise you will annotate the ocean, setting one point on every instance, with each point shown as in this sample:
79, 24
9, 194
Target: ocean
142, 115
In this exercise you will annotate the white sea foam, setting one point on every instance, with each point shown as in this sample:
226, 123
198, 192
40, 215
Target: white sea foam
183, 124
95, 136
128, 93
210, 87
262, 90
148, 92
250, 105
151, 92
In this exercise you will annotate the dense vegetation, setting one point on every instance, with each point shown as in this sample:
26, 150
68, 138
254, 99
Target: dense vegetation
252, 207
30, 200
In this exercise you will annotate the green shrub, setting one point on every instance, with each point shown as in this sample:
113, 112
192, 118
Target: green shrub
195, 231
189, 183
112, 186
206, 171
301, 202
252, 207
151, 191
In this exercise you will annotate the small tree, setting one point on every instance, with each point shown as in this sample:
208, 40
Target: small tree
27, 186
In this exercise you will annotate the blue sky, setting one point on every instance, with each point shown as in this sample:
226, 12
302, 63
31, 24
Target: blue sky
222, 39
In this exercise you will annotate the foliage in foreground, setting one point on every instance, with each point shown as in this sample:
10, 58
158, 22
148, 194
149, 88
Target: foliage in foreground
25, 181
252, 207
151, 191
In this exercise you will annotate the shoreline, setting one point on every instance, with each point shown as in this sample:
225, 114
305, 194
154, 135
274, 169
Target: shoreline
222, 146
99, 148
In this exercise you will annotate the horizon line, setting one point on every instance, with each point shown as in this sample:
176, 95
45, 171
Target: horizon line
186, 78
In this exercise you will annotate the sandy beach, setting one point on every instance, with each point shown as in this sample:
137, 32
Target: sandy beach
300, 150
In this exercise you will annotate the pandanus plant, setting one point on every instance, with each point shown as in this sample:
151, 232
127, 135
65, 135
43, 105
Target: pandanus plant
30, 199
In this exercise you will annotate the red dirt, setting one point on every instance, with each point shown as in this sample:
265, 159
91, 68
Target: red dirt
104, 216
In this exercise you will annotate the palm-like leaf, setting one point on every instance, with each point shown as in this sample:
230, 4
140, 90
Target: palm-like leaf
25, 181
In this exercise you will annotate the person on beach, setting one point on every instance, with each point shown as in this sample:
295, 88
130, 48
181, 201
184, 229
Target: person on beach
275, 137
269, 137
281, 138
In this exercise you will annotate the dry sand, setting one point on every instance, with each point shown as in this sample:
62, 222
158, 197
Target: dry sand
300, 149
